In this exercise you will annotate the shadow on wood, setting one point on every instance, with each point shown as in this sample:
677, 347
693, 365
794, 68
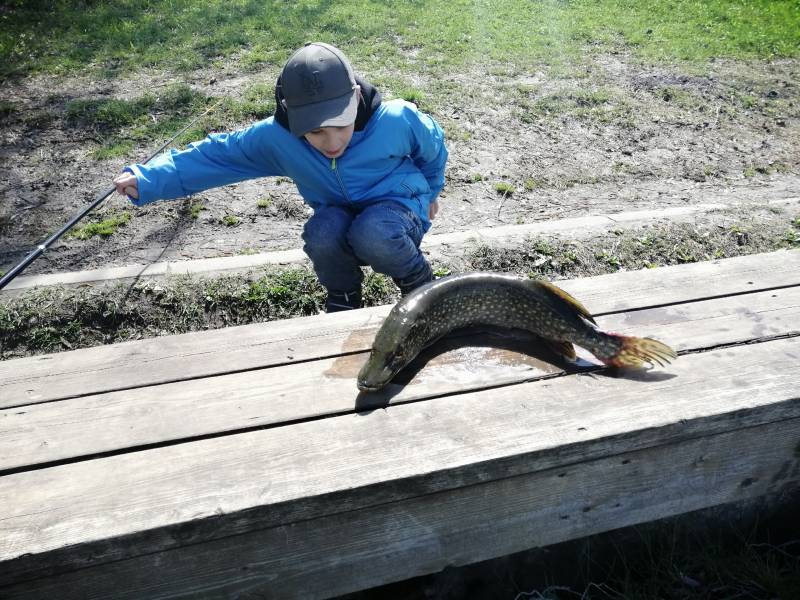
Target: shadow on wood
515, 349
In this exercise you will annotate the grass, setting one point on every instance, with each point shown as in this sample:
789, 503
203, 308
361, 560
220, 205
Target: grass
288, 208
6, 109
61, 36
104, 228
630, 250
504, 188
54, 319
160, 115
195, 208
601, 107
673, 562
57, 318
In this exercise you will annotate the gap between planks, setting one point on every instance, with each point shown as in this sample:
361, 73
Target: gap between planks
48, 434
522, 432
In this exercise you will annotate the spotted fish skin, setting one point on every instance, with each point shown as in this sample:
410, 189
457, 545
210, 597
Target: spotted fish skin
495, 300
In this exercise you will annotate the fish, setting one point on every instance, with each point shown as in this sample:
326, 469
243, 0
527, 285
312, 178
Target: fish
497, 300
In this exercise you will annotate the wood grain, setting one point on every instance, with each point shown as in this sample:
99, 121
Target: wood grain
107, 509
361, 548
44, 433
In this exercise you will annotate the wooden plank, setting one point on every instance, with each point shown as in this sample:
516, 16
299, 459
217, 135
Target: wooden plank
181, 357
362, 548
160, 360
57, 431
96, 511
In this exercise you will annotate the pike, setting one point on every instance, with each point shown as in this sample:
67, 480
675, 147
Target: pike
497, 300
40, 249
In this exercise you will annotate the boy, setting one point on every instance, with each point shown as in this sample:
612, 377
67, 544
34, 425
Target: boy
371, 171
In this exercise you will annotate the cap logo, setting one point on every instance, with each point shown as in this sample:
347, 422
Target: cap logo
312, 85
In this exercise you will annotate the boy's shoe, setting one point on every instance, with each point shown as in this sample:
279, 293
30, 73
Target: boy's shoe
338, 301
406, 286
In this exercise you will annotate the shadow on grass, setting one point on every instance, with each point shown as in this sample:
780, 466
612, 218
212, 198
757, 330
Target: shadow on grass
179, 34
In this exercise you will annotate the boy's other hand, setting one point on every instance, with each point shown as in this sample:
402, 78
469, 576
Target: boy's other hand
127, 185
433, 209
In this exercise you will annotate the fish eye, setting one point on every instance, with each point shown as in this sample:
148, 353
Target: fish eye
395, 360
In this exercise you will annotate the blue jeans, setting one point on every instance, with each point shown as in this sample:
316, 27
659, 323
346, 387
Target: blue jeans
385, 236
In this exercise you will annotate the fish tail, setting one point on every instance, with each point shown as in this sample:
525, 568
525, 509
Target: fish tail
636, 352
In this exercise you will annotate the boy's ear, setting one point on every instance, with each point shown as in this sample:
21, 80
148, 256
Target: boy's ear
283, 102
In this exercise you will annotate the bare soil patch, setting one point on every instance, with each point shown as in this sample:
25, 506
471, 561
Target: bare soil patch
613, 135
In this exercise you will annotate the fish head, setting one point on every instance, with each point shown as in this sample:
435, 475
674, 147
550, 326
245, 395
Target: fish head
396, 344
379, 370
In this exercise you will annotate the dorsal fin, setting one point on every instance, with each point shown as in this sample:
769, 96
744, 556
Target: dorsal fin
572, 302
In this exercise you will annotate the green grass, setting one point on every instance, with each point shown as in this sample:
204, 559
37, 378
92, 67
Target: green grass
53, 319
61, 36
114, 149
195, 209
6, 109
601, 106
56, 318
630, 250
155, 116
504, 188
104, 228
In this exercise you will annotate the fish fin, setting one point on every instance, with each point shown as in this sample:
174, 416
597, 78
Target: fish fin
570, 300
565, 349
635, 352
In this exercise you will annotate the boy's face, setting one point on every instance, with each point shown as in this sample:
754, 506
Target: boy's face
331, 141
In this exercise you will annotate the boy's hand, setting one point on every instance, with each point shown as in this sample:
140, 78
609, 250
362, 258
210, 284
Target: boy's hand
433, 209
127, 185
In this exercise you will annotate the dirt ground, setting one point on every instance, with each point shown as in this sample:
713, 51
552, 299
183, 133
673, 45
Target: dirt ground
610, 136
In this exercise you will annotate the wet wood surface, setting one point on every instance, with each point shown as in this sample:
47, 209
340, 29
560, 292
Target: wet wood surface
268, 473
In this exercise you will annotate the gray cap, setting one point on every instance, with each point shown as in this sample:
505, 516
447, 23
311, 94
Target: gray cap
319, 87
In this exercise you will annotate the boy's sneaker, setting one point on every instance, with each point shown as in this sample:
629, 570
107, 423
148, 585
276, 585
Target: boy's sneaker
338, 301
406, 286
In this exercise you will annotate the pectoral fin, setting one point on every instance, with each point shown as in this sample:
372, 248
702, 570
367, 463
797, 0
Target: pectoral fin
565, 349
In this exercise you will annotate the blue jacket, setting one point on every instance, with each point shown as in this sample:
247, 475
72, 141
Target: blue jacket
399, 155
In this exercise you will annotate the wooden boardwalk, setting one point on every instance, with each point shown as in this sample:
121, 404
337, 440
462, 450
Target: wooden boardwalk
243, 462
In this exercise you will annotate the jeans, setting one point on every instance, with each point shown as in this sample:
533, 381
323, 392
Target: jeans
385, 235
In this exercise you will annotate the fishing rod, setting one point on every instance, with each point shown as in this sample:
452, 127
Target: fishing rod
6, 279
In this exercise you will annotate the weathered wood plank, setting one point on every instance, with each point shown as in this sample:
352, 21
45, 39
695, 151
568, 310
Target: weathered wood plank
56, 431
160, 360
180, 357
108, 509
358, 549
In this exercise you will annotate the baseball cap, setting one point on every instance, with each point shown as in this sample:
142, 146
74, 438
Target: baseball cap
319, 87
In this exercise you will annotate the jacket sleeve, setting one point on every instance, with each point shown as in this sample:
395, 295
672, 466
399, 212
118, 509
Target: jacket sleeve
428, 152
218, 160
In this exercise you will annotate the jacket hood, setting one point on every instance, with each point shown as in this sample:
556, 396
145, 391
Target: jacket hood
370, 101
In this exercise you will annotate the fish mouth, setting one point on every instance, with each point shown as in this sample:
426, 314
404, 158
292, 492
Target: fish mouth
369, 387
374, 382
378, 371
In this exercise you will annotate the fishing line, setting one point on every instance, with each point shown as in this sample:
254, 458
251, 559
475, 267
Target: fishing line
40, 249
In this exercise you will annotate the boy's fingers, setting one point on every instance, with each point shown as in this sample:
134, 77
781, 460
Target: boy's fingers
126, 184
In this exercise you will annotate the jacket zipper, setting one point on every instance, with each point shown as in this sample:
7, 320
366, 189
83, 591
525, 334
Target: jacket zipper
339, 179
